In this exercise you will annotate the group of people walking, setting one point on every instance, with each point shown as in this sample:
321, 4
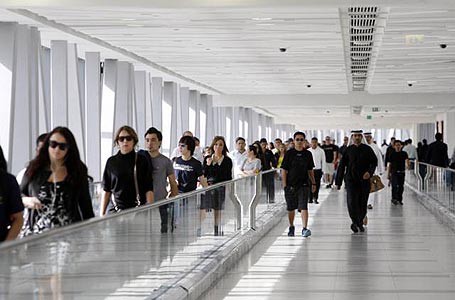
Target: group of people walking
54, 188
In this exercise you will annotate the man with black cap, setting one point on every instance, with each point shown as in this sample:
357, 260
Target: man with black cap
356, 167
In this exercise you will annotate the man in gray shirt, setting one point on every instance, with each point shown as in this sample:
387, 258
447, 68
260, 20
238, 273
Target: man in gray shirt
163, 171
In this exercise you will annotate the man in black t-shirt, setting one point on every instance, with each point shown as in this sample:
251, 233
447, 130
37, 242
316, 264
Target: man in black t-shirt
297, 177
331, 156
398, 162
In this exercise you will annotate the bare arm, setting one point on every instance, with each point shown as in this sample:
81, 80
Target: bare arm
408, 164
16, 224
104, 202
173, 184
203, 181
150, 197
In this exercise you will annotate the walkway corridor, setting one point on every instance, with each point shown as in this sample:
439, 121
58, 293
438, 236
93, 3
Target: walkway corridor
404, 254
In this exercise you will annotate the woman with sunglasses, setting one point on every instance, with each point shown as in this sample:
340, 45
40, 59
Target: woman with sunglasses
127, 176
57, 182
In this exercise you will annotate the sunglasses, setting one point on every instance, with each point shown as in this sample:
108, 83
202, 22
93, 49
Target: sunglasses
62, 146
182, 145
299, 140
127, 138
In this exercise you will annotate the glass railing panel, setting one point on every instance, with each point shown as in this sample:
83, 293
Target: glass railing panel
435, 182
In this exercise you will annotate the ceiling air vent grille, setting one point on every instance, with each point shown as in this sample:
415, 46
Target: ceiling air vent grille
362, 22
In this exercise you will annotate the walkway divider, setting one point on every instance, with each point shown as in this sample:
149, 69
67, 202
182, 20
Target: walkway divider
435, 189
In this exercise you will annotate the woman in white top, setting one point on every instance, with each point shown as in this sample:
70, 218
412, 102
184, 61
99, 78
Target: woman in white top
252, 165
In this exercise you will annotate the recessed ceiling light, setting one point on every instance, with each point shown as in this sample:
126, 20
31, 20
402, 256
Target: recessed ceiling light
128, 19
430, 106
135, 25
261, 19
265, 24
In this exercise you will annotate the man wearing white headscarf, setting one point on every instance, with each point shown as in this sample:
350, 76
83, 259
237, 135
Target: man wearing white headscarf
380, 168
356, 167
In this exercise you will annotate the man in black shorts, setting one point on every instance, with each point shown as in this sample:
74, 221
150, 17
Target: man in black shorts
297, 177
398, 162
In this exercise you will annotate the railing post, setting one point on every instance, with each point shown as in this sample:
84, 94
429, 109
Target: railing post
237, 204
255, 200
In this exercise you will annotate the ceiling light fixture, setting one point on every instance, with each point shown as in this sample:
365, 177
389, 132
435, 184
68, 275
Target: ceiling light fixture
135, 25
265, 24
261, 19
128, 19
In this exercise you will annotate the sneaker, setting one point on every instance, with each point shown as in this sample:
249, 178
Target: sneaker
400, 202
370, 206
306, 232
395, 202
310, 201
291, 231
316, 202
361, 228
354, 228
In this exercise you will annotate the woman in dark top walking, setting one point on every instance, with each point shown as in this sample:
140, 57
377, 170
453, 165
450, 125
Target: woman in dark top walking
127, 176
58, 179
217, 168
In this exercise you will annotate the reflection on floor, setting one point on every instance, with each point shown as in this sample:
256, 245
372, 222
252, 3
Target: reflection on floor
405, 254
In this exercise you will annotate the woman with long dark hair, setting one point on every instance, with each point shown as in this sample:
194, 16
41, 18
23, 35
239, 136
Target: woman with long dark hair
58, 179
217, 168
127, 176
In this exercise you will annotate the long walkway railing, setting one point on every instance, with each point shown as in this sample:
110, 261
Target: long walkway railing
436, 182
126, 254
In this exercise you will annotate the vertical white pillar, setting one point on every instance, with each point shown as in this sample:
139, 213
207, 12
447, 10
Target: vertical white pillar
108, 109
197, 108
192, 117
59, 83
157, 102
140, 80
123, 105
44, 89
19, 92
185, 109
210, 119
203, 120
449, 134
148, 101
75, 100
170, 94
93, 114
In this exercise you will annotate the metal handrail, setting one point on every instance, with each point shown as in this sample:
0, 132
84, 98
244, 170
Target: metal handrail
95, 220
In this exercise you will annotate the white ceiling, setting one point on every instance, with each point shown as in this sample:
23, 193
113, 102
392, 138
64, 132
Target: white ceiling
234, 50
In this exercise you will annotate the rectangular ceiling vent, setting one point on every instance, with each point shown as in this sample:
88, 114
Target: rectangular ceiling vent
360, 24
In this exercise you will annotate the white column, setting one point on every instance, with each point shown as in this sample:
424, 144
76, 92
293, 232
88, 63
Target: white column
210, 119
59, 83
93, 114
75, 100
44, 90
449, 131
123, 114
148, 101
157, 102
170, 94
185, 109
140, 81
195, 103
108, 109
19, 85
203, 119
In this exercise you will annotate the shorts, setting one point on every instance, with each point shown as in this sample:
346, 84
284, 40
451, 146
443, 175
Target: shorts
297, 198
329, 168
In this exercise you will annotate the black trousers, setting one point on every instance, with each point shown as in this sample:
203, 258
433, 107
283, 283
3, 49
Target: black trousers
268, 183
398, 185
357, 198
317, 178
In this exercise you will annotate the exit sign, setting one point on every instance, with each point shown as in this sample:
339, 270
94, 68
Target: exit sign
369, 117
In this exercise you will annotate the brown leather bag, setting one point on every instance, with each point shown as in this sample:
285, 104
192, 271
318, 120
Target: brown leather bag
376, 184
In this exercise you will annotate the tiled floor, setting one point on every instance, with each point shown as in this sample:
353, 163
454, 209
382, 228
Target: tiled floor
405, 254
